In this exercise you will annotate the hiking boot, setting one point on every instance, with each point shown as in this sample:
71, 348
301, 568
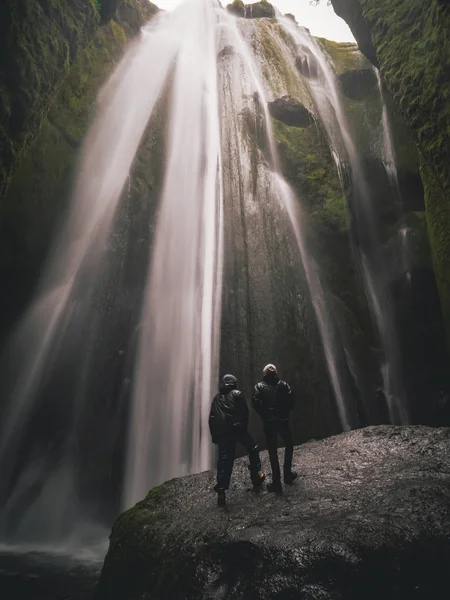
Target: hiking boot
275, 487
289, 478
258, 480
221, 499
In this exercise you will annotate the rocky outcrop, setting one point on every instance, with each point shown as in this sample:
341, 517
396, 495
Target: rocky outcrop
368, 518
410, 43
290, 112
257, 10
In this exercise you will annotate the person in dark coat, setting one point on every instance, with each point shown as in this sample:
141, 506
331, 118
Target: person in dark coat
272, 400
228, 422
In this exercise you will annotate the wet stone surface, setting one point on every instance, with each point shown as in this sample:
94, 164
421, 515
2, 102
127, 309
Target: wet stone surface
369, 517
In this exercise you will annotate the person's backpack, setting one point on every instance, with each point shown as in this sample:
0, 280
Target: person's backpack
218, 418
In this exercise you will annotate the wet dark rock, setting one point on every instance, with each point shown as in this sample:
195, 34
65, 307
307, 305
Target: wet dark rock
368, 518
358, 84
290, 112
411, 190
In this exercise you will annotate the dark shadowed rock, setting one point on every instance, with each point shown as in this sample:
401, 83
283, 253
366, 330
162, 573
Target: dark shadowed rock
358, 84
369, 518
290, 112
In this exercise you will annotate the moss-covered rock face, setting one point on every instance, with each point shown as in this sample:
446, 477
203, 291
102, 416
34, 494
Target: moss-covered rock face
38, 191
346, 56
38, 44
412, 47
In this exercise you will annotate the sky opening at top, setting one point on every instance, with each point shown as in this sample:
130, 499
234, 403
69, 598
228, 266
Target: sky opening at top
321, 20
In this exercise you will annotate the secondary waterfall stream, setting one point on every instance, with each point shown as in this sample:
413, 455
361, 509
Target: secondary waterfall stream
324, 88
228, 252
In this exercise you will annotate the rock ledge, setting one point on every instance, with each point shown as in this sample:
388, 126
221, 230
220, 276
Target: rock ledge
369, 519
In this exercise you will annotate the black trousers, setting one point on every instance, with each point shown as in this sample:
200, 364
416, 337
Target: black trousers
273, 429
226, 457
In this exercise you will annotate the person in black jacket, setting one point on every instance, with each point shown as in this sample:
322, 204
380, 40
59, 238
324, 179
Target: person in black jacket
228, 422
272, 400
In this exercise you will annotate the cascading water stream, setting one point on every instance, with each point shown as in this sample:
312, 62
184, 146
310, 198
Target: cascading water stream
177, 364
387, 146
390, 164
324, 89
70, 277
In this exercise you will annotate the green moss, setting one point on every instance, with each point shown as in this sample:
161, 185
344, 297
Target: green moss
438, 218
36, 52
344, 55
309, 167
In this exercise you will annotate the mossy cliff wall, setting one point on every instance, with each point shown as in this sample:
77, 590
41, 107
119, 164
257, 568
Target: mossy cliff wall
39, 41
410, 42
46, 104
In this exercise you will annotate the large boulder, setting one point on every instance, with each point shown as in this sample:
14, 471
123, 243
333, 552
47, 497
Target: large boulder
368, 518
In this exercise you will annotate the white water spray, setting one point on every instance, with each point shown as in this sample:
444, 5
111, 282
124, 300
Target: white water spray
176, 366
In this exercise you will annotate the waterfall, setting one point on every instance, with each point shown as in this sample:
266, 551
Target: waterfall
176, 368
59, 312
372, 263
390, 164
387, 146
228, 253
